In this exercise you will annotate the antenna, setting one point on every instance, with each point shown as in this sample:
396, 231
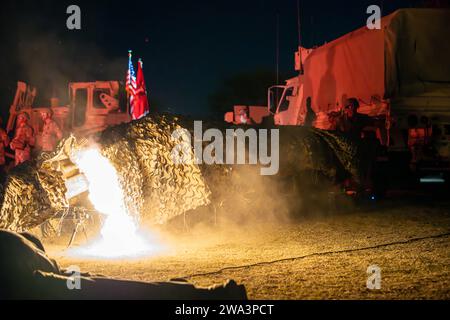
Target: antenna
278, 49
299, 24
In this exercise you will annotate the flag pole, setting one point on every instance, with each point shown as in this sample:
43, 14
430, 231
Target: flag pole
141, 64
130, 52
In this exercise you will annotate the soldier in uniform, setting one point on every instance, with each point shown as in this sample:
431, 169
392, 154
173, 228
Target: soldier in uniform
311, 116
51, 133
4, 142
23, 139
352, 122
243, 116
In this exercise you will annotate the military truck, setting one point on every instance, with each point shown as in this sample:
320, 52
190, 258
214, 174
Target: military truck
400, 75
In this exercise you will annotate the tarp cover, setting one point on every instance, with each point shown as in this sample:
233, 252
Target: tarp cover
417, 50
409, 56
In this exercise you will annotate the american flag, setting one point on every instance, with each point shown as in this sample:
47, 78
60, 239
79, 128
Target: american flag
131, 82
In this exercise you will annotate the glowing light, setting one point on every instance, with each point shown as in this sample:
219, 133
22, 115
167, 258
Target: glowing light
430, 179
120, 236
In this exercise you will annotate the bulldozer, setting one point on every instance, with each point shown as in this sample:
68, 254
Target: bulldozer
93, 106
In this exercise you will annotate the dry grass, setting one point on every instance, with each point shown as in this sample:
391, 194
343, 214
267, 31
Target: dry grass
416, 270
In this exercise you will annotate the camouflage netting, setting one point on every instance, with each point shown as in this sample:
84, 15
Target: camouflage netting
31, 195
331, 154
155, 188
154, 185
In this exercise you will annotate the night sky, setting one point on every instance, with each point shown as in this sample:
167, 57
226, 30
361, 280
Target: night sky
188, 47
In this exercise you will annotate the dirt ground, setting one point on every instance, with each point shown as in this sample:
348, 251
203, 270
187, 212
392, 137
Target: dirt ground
322, 257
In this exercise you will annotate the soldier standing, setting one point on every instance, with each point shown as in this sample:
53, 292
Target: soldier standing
51, 133
311, 116
352, 122
243, 116
23, 139
4, 142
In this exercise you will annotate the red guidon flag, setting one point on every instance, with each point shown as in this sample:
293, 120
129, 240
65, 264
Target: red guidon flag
141, 105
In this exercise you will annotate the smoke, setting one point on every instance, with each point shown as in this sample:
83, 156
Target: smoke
41, 51
247, 199
50, 63
248, 206
306, 187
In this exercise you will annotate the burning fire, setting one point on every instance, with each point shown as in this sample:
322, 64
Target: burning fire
119, 233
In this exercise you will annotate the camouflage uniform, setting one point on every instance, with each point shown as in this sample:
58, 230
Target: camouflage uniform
4, 142
51, 134
22, 142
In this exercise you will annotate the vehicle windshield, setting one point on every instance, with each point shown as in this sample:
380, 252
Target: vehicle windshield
274, 98
284, 103
279, 98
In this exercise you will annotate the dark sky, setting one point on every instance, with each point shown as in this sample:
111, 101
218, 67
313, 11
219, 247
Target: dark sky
188, 47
